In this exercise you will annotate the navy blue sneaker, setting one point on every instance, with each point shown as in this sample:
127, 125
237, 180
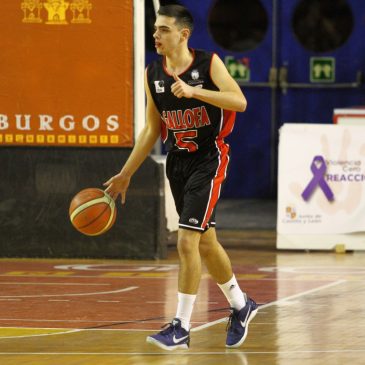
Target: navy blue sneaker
237, 327
172, 337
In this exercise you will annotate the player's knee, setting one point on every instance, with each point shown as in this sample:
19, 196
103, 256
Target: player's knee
186, 246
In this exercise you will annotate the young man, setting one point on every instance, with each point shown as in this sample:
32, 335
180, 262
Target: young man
193, 97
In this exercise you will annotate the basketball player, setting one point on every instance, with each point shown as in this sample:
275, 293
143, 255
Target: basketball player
191, 102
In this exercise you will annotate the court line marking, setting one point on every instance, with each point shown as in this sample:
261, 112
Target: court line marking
195, 329
66, 284
72, 321
276, 302
114, 267
186, 353
71, 295
199, 328
135, 275
164, 302
41, 334
66, 330
313, 324
10, 300
310, 291
318, 270
139, 275
58, 300
210, 324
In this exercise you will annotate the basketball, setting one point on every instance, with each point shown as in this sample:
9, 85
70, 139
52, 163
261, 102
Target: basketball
92, 211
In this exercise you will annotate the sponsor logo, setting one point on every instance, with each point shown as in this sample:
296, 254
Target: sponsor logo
195, 74
195, 80
66, 123
159, 86
187, 119
61, 130
178, 340
290, 212
193, 221
243, 324
56, 11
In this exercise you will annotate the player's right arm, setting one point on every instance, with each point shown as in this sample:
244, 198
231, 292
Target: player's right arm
118, 184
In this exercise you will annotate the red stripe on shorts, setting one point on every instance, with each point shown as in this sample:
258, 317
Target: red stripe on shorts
229, 118
217, 180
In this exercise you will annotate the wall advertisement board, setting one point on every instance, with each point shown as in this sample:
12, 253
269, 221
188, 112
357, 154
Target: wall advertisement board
66, 73
321, 187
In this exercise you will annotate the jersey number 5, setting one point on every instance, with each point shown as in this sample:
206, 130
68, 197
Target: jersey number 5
184, 140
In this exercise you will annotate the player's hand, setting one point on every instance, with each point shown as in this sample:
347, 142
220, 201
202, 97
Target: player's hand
118, 184
180, 88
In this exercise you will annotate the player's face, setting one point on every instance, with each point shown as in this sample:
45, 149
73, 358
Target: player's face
168, 37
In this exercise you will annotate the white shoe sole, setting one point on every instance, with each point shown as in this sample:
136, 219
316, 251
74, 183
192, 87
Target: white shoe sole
153, 341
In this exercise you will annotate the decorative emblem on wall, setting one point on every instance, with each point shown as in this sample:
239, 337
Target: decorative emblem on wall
56, 12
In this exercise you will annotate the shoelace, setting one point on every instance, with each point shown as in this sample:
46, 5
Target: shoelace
230, 320
167, 328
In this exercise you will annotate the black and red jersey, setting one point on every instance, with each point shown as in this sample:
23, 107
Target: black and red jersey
188, 124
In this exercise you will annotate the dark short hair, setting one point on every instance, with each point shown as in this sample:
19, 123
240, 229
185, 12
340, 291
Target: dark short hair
180, 13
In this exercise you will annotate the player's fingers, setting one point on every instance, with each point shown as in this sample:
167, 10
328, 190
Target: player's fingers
108, 182
177, 91
114, 196
107, 192
123, 197
174, 87
176, 78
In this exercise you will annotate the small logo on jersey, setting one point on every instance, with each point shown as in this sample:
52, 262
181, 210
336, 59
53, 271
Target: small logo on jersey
195, 79
193, 221
195, 74
160, 86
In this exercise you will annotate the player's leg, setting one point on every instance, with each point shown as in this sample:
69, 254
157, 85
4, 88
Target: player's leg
243, 308
177, 333
190, 262
215, 257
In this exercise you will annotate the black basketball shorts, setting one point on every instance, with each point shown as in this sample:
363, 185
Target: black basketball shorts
196, 181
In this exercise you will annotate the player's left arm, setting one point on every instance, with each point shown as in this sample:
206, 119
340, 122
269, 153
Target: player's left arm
228, 97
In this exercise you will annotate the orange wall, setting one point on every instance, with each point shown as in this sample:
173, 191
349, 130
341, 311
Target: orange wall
66, 75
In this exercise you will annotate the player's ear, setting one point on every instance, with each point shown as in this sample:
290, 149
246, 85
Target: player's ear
185, 33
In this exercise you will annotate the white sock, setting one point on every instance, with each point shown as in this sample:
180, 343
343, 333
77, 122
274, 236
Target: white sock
185, 307
233, 293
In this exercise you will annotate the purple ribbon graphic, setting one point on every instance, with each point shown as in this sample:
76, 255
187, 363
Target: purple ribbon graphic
318, 168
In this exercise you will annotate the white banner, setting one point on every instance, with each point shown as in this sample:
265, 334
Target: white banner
321, 186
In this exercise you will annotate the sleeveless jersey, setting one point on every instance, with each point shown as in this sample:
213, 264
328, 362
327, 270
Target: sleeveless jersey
188, 125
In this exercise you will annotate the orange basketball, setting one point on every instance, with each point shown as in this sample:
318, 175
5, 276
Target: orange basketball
92, 211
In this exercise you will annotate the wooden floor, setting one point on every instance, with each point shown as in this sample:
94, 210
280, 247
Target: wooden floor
57, 312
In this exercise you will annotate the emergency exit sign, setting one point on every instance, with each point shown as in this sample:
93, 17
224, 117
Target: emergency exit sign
239, 69
322, 69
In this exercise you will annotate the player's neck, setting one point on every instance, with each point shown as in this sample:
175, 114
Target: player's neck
179, 60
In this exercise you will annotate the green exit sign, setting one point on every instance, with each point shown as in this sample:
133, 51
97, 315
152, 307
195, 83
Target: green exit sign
322, 69
239, 69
